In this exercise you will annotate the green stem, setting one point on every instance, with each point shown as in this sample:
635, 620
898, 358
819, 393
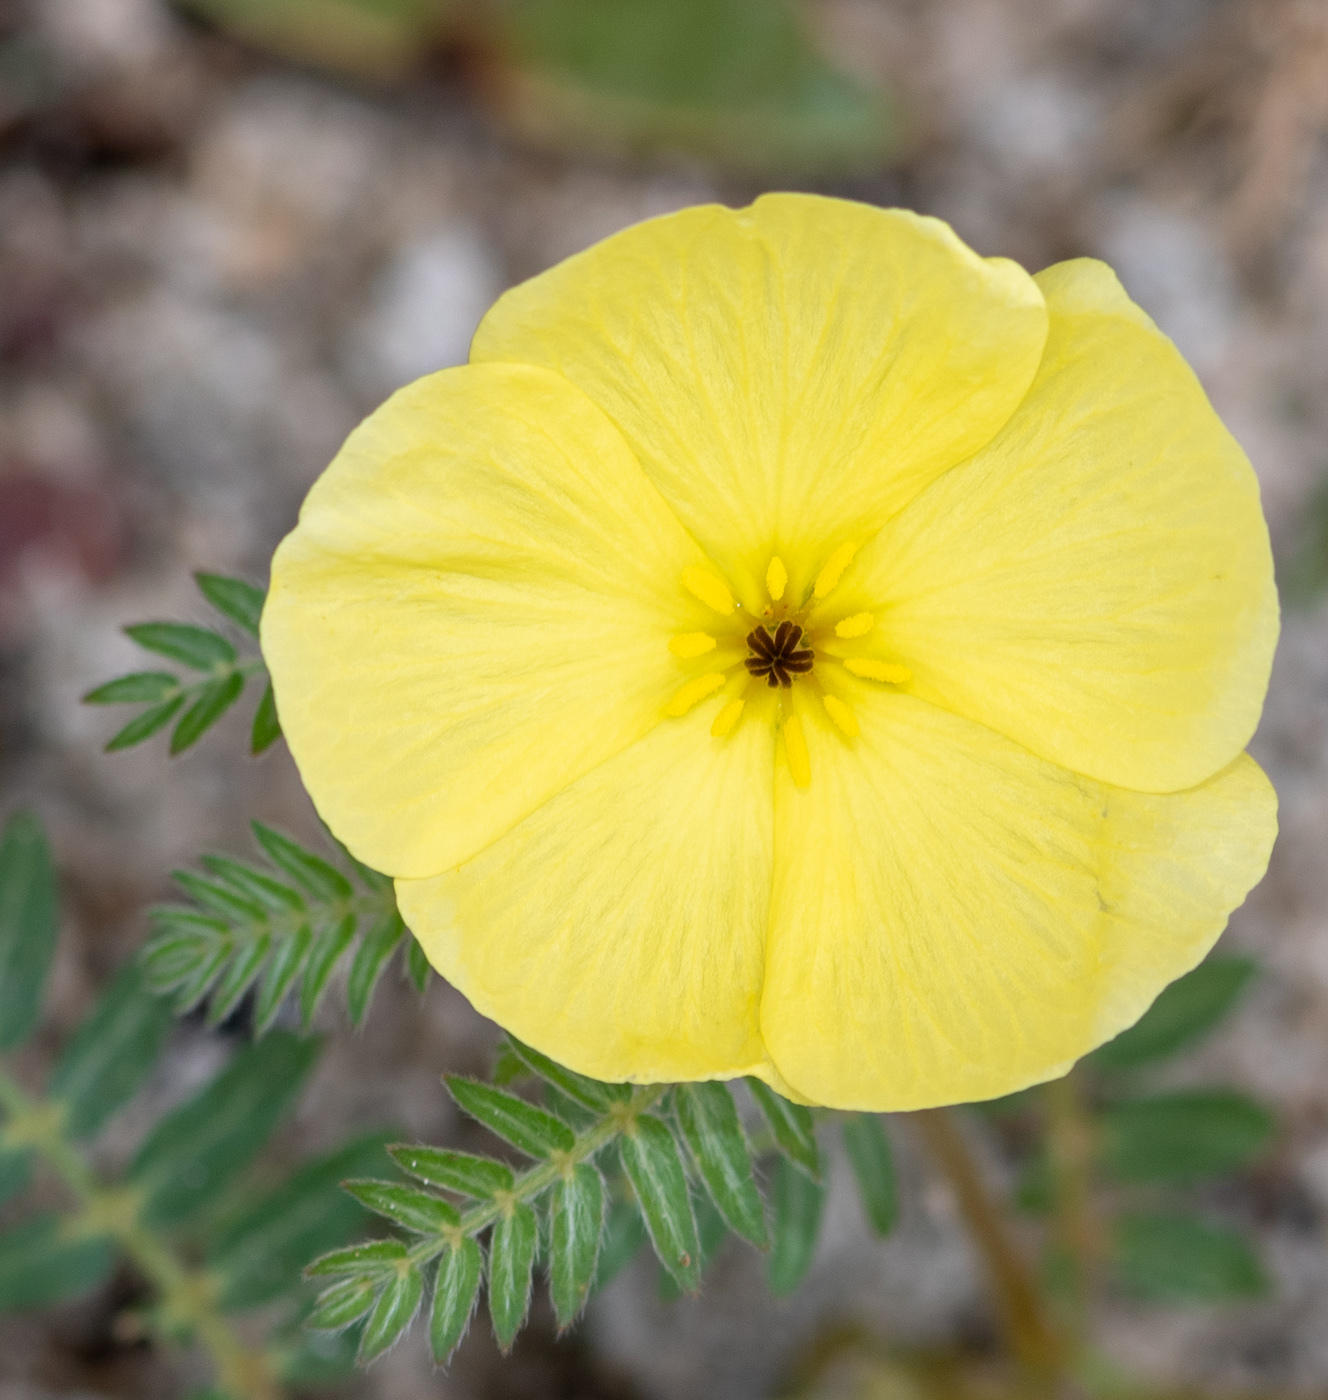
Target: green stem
1070, 1144
1032, 1340
186, 1294
538, 1179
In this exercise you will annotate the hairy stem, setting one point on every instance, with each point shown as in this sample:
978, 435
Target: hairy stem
186, 1294
538, 1179
1034, 1344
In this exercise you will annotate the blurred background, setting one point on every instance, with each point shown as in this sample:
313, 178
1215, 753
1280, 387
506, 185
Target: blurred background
228, 228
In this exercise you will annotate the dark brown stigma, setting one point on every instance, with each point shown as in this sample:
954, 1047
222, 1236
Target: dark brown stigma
778, 656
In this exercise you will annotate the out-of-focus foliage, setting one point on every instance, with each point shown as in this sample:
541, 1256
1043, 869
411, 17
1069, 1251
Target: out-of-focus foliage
737, 82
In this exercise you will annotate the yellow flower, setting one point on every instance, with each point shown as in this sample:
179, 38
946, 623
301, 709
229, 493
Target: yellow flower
794, 646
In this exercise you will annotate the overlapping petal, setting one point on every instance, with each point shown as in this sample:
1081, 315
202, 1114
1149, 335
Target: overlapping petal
621, 927
953, 918
790, 374
1096, 582
474, 610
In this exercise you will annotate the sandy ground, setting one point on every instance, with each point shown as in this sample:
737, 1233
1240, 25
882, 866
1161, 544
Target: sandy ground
212, 265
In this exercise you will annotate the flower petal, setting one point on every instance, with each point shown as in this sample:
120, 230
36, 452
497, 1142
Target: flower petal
621, 928
789, 374
1096, 582
474, 609
954, 919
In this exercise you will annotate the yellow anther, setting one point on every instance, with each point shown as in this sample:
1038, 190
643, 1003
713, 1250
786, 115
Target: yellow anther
856, 626
834, 569
727, 718
776, 579
879, 670
843, 717
693, 693
690, 644
795, 747
707, 585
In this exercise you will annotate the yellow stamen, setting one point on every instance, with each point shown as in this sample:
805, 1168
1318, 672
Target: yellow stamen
879, 670
727, 718
707, 585
795, 748
776, 579
856, 626
834, 569
843, 717
690, 644
693, 693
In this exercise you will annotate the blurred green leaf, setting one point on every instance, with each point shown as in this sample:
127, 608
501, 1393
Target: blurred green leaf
393, 1312
874, 1167
310, 872
326, 952
257, 886
417, 965
1185, 1135
142, 686
41, 1264
406, 1206
526, 1127
455, 1289
480, 1177
238, 977
1184, 1012
233, 598
738, 81
15, 1173
342, 1304
199, 647
29, 921
145, 725
211, 704
511, 1260
193, 1153
576, 1223
371, 957
259, 1252
286, 966
713, 1133
266, 728
111, 1053
1178, 1259
798, 1206
792, 1124
651, 1161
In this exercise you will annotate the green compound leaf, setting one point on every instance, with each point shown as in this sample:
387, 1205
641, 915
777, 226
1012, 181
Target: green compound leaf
1169, 1258
41, 1264
589, 1093
480, 1177
143, 687
214, 701
313, 874
526, 1127
576, 1224
324, 956
511, 1260
258, 1253
1185, 1011
371, 958
373, 1259
257, 886
654, 1167
708, 1118
144, 726
266, 728
406, 1206
199, 647
342, 1304
239, 975
111, 1053
29, 921
454, 1293
393, 1312
233, 598
874, 1167
792, 1125
798, 1206
218, 899
192, 1154
417, 965
624, 1236
1184, 1136
287, 963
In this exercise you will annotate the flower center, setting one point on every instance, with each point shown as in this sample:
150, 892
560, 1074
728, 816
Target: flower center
812, 638
778, 655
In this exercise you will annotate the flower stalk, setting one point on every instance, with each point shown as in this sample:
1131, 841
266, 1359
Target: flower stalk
186, 1295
